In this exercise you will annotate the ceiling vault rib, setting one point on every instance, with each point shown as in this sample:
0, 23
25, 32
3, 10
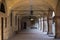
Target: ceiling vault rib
33, 10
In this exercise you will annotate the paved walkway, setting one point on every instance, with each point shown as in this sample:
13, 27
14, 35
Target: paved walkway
32, 35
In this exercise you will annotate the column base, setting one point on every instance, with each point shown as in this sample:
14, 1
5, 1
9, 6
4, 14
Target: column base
57, 36
50, 35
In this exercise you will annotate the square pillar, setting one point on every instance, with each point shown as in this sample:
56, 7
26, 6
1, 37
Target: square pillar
57, 29
49, 21
41, 24
57, 21
45, 24
50, 26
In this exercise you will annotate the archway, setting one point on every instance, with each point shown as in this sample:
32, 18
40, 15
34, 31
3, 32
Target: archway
37, 10
28, 22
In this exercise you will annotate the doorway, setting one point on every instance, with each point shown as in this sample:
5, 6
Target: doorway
25, 25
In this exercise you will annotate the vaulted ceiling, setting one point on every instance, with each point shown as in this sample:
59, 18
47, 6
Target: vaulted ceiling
37, 4
0, 0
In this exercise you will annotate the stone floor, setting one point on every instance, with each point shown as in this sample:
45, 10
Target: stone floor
32, 34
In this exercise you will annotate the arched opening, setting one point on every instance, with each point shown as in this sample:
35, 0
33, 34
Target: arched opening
28, 22
27, 15
53, 23
37, 21
41, 19
2, 8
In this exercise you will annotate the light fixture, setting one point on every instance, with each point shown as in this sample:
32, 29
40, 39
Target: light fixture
31, 15
31, 11
31, 19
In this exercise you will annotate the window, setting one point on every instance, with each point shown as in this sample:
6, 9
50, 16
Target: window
5, 22
53, 14
2, 27
11, 19
2, 8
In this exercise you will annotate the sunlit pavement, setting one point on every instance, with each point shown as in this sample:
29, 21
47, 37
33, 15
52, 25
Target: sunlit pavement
32, 34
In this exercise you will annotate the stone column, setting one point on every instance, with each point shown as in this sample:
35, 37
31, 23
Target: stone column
20, 17
50, 26
41, 23
45, 24
57, 21
49, 20
16, 23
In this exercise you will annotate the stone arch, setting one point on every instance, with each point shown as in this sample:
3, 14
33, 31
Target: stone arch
26, 19
2, 8
16, 5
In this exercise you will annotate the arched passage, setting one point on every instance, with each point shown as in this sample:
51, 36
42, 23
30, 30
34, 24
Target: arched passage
29, 22
44, 10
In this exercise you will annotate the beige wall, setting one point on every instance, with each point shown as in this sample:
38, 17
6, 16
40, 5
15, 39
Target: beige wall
2, 15
9, 30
